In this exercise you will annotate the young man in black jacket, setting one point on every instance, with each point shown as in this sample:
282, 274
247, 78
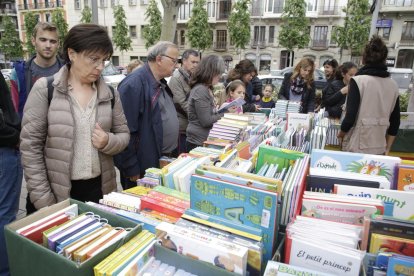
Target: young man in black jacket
10, 167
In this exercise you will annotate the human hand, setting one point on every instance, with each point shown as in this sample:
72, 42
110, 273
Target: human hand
99, 137
257, 98
344, 90
134, 178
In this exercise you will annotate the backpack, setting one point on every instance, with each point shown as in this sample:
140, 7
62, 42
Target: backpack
50, 89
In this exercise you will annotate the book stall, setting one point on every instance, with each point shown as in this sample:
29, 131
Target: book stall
265, 195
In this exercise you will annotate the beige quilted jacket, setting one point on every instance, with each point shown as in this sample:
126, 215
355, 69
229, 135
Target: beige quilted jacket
47, 139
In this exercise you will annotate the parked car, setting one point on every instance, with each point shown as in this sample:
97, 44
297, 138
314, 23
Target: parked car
318, 76
270, 79
111, 74
6, 73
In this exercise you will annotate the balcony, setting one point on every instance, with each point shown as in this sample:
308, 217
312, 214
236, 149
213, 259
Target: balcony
397, 6
8, 11
220, 46
224, 8
261, 43
43, 5
319, 45
330, 10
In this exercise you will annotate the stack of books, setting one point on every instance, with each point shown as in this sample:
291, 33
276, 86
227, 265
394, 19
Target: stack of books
228, 130
152, 178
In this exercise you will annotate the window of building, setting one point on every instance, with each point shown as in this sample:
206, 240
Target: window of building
286, 58
25, 4
211, 8
113, 30
35, 4
48, 17
274, 6
405, 58
221, 39
185, 10
265, 60
224, 9
102, 3
312, 5
320, 36
142, 30
133, 57
115, 60
259, 34
384, 32
271, 34
182, 37
132, 2
407, 30
77, 5
403, 3
133, 31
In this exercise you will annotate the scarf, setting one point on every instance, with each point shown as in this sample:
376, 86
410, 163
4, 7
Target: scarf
376, 70
297, 86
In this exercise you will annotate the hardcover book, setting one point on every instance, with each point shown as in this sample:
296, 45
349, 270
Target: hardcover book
400, 265
280, 269
355, 162
240, 204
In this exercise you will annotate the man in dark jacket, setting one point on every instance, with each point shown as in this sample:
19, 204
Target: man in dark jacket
11, 172
150, 112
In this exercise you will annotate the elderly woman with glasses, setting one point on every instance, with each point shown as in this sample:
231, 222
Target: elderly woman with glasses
74, 125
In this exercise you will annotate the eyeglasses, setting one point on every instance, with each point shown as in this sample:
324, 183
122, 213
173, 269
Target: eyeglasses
96, 62
174, 60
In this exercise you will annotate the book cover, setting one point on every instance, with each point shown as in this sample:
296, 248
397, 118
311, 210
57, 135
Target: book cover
240, 204
402, 201
328, 258
400, 265
172, 192
325, 184
383, 243
162, 207
405, 180
223, 224
228, 256
279, 269
184, 204
355, 162
298, 121
138, 263
272, 155
254, 255
236, 103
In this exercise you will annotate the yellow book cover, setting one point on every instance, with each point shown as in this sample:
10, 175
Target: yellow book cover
132, 254
383, 243
100, 268
137, 191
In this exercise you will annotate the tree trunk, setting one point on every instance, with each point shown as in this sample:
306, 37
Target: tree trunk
169, 21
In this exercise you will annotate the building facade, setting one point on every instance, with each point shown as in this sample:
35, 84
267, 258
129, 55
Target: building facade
395, 24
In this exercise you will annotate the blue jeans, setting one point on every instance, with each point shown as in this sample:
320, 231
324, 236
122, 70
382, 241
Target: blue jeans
11, 174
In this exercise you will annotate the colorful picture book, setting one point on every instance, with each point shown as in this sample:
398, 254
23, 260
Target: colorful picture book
355, 162
240, 204
280, 269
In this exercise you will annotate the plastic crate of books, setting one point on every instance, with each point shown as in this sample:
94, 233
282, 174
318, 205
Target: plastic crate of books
29, 258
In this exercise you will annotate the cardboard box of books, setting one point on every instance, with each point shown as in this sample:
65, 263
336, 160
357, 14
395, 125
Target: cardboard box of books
29, 258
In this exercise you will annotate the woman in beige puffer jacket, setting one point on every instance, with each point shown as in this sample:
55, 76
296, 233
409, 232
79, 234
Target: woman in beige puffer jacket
55, 154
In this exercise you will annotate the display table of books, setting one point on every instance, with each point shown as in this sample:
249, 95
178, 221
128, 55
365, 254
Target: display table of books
244, 204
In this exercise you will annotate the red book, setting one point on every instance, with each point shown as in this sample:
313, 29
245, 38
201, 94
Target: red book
35, 233
169, 199
162, 207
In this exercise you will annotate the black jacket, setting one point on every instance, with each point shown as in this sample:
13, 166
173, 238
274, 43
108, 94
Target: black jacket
9, 120
308, 96
333, 99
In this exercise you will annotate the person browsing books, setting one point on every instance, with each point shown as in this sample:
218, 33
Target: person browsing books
234, 90
372, 115
202, 110
334, 94
245, 71
299, 86
149, 108
266, 101
180, 87
68, 137
11, 172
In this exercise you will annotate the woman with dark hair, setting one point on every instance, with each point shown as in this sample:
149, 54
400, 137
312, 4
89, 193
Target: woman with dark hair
11, 172
202, 109
372, 115
334, 94
299, 86
74, 157
246, 71
329, 67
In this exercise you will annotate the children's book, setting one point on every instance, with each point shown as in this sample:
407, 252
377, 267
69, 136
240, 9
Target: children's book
226, 255
325, 184
355, 162
403, 201
272, 155
236, 103
405, 180
384, 243
400, 265
240, 204
280, 269
298, 121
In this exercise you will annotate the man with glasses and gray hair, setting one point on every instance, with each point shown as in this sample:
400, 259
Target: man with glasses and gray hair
150, 112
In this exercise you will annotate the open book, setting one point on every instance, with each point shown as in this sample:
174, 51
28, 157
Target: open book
236, 103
